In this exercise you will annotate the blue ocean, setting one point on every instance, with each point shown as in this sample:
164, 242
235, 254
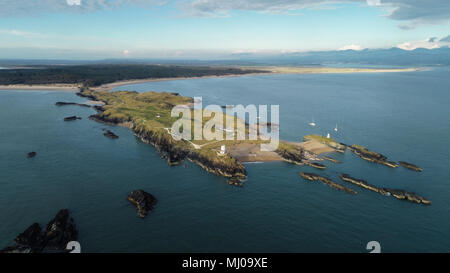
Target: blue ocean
405, 116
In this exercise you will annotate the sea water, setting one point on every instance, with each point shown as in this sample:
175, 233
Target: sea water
404, 116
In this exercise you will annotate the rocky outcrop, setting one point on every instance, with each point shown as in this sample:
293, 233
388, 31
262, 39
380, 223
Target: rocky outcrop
58, 233
399, 194
111, 135
326, 181
143, 201
331, 159
31, 154
317, 165
72, 118
292, 153
371, 156
61, 103
235, 182
176, 152
107, 119
410, 166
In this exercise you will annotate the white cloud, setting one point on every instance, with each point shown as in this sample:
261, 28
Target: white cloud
126, 53
412, 13
73, 2
27, 7
20, 33
430, 43
351, 47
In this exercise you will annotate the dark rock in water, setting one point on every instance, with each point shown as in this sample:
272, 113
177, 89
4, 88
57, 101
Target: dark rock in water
72, 118
317, 165
143, 201
32, 238
60, 103
110, 135
331, 159
410, 166
59, 232
326, 181
399, 194
31, 154
235, 182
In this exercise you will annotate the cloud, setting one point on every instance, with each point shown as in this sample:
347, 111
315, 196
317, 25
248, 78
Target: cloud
351, 47
20, 33
445, 39
222, 8
27, 7
73, 2
412, 12
430, 43
126, 53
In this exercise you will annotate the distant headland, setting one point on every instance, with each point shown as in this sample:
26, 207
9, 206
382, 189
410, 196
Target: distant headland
106, 77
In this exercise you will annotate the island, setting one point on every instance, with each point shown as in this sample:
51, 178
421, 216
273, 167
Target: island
148, 115
143, 201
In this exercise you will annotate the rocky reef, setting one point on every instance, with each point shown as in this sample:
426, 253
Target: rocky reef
410, 166
110, 134
399, 194
61, 103
143, 201
331, 159
72, 118
58, 233
235, 182
371, 156
326, 181
317, 165
31, 154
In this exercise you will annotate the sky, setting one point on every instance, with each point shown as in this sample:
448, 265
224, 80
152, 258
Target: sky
205, 29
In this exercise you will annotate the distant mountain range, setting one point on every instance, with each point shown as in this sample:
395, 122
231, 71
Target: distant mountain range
390, 57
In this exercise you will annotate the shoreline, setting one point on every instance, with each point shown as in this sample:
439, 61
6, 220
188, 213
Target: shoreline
41, 87
272, 70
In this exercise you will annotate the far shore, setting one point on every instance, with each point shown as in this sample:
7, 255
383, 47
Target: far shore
42, 87
272, 70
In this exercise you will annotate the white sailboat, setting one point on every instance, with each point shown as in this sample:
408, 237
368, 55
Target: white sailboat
336, 128
312, 123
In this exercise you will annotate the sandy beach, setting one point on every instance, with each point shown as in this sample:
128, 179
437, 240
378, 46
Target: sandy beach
272, 70
42, 87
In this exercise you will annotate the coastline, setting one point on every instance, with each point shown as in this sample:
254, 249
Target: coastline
267, 70
272, 70
41, 87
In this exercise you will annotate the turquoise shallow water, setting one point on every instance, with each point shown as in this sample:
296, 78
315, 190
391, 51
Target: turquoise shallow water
404, 116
